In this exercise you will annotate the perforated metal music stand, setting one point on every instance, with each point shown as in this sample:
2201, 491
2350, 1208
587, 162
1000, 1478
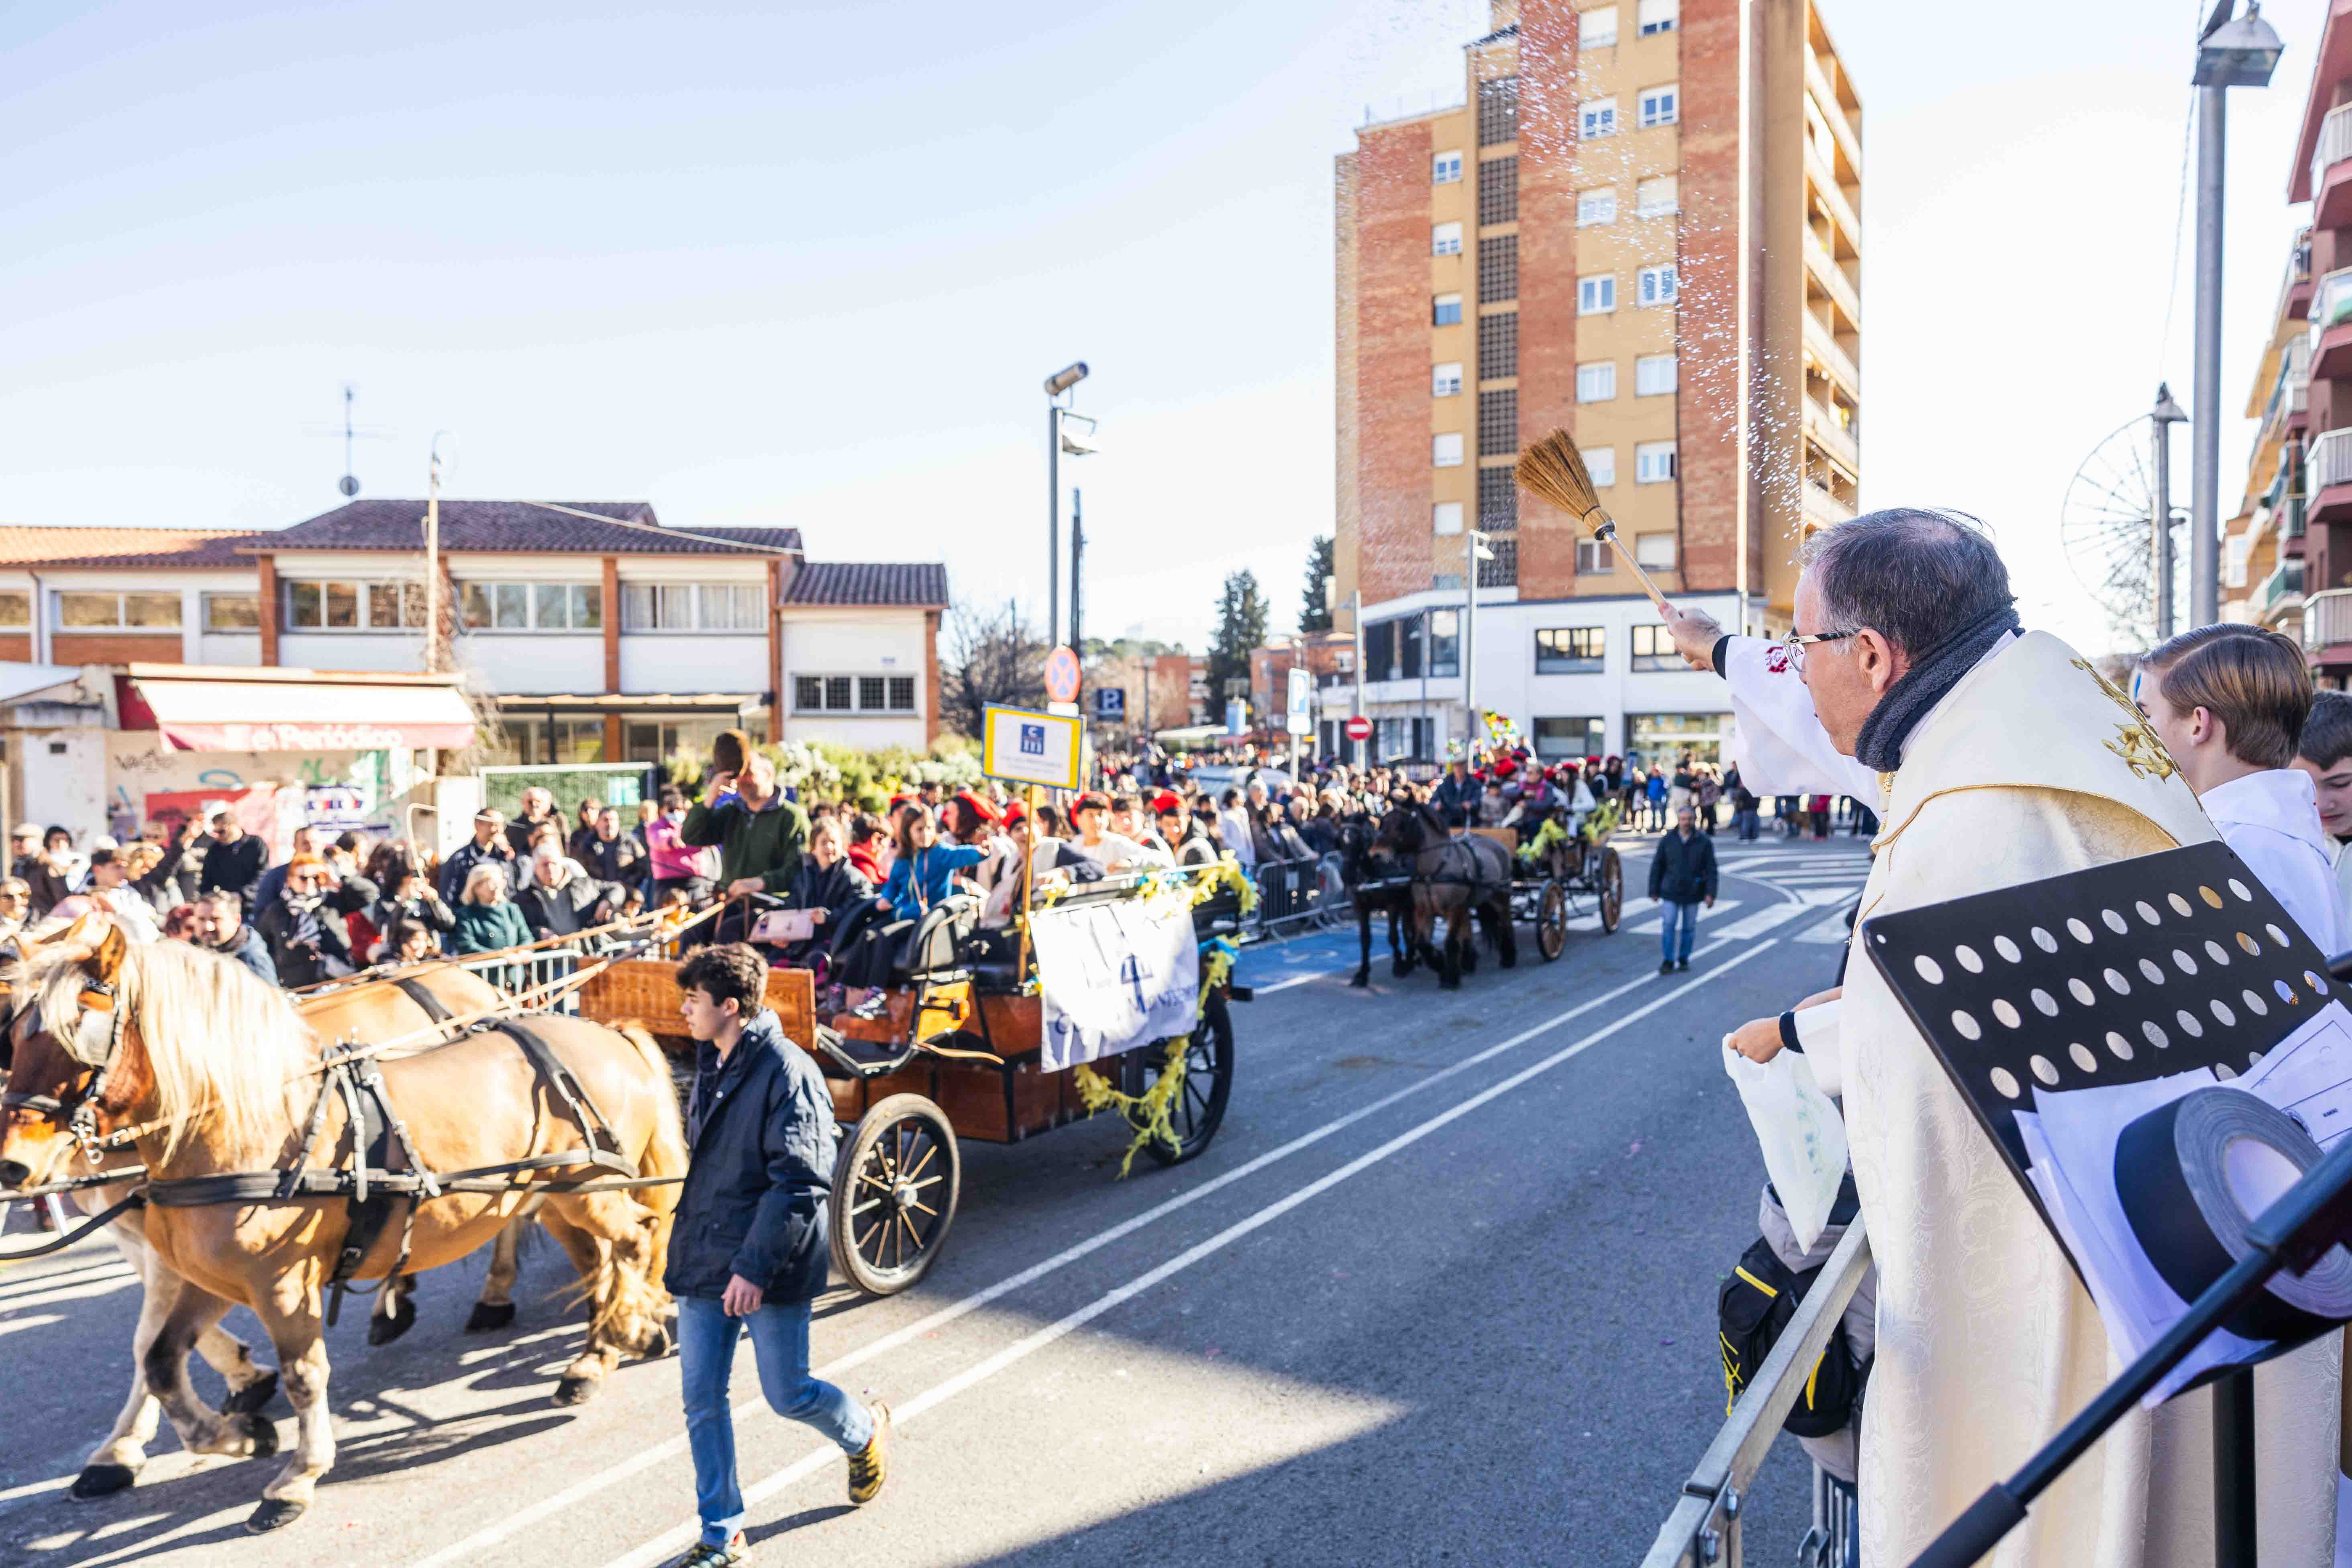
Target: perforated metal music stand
2121, 973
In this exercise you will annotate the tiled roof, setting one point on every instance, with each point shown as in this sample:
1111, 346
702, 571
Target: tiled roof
142, 547
869, 582
523, 528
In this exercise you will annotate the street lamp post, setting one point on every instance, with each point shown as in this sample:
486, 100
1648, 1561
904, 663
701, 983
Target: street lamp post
2163, 417
1473, 550
1060, 382
2230, 53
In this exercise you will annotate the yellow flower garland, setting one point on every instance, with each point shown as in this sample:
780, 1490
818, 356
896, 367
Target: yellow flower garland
1148, 1111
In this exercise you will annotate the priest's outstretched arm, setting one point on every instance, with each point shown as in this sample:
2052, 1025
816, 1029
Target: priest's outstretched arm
1780, 747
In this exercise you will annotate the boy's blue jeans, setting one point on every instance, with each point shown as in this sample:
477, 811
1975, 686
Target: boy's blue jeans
706, 1356
1669, 916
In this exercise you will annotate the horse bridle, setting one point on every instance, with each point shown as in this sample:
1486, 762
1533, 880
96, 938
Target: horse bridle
81, 1109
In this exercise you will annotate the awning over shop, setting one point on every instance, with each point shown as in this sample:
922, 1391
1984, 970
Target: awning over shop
210, 709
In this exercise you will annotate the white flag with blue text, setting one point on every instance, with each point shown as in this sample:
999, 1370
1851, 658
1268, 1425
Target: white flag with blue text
1116, 975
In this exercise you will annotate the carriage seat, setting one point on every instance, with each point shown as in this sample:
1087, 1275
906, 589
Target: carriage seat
936, 953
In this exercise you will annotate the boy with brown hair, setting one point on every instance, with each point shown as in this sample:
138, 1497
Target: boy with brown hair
2326, 754
2230, 702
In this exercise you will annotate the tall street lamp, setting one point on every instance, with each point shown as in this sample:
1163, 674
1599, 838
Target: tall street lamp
2163, 417
1056, 385
1473, 550
2230, 53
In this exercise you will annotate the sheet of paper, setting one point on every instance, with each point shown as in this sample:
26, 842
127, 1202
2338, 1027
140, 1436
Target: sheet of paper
1800, 1130
2308, 1074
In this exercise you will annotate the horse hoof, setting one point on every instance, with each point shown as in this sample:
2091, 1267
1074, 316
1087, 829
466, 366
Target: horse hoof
273, 1514
382, 1330
253, 1399
1360, 982
101, 1480
263, 1433
489, 1315
657, 1343
576, 1391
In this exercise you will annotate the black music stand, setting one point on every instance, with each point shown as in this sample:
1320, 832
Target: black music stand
2121, 973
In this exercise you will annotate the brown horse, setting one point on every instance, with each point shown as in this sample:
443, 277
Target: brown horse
1454, 880
215, 1072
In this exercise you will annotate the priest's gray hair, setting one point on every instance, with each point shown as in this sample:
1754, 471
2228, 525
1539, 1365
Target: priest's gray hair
1913, 574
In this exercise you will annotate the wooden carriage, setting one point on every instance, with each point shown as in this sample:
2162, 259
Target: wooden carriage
1548, 889
954, 1054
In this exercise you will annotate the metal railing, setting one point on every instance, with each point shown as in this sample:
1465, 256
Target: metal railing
2327, 618
2331, 302
1292, 893
2327, 461
2286, 578
1704, 1528
2334, 144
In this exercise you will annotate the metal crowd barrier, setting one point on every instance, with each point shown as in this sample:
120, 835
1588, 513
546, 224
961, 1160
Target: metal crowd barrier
1704, 1527
1290, 893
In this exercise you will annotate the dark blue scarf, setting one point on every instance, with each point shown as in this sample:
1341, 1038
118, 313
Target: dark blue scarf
1927, 682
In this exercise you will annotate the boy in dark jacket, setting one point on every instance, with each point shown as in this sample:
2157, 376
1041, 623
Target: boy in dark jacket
1682, 878
749, 1248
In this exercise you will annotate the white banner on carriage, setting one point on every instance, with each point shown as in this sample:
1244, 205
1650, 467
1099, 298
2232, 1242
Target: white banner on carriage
1116, 975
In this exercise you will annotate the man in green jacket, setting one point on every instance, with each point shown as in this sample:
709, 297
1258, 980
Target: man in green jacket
760, 834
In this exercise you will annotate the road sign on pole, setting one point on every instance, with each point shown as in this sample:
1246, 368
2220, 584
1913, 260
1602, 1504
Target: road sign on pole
1300, 714
1360, 728
1061, 675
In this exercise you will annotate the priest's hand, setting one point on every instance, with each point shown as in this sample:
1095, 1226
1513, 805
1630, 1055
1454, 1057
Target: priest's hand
1758, 1039
1695, 633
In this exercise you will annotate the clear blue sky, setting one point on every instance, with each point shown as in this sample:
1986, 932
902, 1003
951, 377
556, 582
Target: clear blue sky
807, 265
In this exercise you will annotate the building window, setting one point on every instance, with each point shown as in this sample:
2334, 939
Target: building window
118, 612
1657, 107
16, 611
902, 694
1653, 462
1570, 739
1498, 423
1596, 295
1598, 119
1593, 559
1446, 380
1656, 198
692, 607
1444, 644
1653, 646
1502, 571
1498, 501
1601, 462
1498, 267
1498, 345
231, 612
1654, 375
1498, 190
1499, 111
1446, 516
1664, 737
1597, 29
384, 606
515, 607
1445, 239
1597, 381
1654, 17
1571, 650
1597, 205
1445, 310
1380, 650
853, 693
1655, 552
1657, 285
1446, 169
1445, 451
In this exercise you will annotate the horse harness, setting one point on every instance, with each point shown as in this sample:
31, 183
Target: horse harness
1452, 852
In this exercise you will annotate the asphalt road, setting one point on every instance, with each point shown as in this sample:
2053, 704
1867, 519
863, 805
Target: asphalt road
1441, 1291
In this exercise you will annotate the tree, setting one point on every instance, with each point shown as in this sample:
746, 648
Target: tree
1241, 626
1314, 615
993, 658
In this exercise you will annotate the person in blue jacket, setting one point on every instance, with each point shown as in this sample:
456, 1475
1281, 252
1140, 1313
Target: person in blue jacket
925, 869
749, 1250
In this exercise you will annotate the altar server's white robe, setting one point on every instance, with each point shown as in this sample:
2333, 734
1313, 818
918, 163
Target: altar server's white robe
1988, 1344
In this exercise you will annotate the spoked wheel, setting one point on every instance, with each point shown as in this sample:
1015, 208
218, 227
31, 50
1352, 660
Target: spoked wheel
1610, 883
1551, 921
894, 1194
1200, 1104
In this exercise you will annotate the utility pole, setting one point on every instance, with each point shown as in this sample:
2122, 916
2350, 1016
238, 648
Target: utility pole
1060, 382
1363, 757
2162, 418
433, 561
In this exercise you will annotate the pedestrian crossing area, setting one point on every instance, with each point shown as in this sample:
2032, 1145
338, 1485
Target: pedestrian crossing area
1812, 886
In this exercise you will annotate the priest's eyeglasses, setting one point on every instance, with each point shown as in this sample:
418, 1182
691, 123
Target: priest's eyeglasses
1797, 644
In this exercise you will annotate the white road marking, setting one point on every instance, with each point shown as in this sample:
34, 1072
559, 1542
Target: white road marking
522, 1518
1298, 980
678, 1536
113, 1267
69, 1293
1832, 929
1759, 923
38, 1321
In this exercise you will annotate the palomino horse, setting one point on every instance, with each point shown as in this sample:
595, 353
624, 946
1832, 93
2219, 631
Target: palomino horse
1454, 880
1363, 874
215, 1073
368, 1007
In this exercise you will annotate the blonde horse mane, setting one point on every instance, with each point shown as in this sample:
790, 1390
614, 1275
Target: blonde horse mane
229, 1055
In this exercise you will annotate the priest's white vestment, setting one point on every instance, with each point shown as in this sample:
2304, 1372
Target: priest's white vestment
1987, 1344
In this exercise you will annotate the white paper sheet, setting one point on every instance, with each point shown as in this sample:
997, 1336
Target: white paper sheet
2308, 1074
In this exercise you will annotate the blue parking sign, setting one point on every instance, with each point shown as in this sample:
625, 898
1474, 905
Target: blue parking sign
1033, 740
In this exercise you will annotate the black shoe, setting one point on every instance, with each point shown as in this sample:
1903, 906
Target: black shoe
1682, 964
1667, 967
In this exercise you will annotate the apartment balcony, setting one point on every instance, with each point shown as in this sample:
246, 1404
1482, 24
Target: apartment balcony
1833, 360
1832, 112
1831, 195
2331, 325
2331, 171
1822, 430
2327, 477
2327, 625
1832, 278
2294, 293
1819, 508
2283, 584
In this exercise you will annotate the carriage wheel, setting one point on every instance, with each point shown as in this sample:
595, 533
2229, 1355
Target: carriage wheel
894, 1194
1610, 883
1200, 1107
1551, 921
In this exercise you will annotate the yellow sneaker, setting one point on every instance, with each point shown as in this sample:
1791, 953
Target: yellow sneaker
870, 1465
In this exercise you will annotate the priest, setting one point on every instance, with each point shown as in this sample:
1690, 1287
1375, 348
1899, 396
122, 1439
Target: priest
1996, 756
